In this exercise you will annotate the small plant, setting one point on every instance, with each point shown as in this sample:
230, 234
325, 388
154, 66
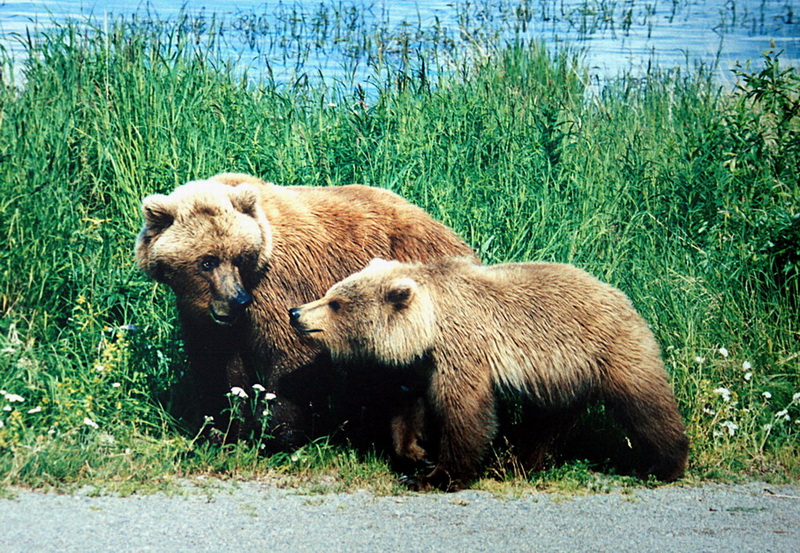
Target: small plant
242, 407
739, 413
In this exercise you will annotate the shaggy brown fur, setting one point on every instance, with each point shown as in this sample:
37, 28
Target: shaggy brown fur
549, 333
238, 252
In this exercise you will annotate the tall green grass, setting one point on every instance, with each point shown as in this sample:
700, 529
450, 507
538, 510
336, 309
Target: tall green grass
682, 194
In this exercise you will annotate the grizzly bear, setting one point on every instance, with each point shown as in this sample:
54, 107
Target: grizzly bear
548, 333
238, 252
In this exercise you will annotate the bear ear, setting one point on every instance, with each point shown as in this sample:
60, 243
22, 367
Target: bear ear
158, 212
245, 198
402, 293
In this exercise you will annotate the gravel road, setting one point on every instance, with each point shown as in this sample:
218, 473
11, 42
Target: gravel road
245, 517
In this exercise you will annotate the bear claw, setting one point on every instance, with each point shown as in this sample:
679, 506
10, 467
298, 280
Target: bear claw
414, 483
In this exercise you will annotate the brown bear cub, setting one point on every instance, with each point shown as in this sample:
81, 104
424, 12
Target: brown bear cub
238, 252
550, 333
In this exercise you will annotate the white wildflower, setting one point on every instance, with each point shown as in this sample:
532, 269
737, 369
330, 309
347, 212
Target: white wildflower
709, 411
34, 410
767, 395
783, 414
237, 391
269, 396
748, 376
730, 426
746, 366
724, 392
699, 360
99, 368
12, 398
2, 424
8, 408
90, 423
723, 352
796, 398
259, 388
208, 419
115, 384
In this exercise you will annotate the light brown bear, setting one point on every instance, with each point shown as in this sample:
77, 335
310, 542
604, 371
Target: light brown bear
238, 252
549, 333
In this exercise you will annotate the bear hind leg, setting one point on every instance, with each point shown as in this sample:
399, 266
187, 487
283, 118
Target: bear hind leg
643, 402
537, 434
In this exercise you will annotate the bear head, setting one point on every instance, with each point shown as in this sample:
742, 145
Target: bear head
382, 313
209, 242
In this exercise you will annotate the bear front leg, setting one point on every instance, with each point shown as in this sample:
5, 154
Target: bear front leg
233, 416
217, 366
408, 428
465, 412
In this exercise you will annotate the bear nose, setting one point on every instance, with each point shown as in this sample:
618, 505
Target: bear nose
294, 316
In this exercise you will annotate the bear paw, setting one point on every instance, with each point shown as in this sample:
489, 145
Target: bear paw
437, 479
416, 483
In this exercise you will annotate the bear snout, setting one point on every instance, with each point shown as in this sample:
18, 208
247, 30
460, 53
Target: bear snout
294, 320
297, 324
227, 312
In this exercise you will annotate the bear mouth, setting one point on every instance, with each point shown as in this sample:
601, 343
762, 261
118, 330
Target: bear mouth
308, 330
298, 326
224, 320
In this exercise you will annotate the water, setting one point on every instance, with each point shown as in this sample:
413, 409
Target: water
345, 40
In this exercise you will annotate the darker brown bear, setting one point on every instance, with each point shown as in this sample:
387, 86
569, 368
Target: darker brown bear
548, 333
238, 252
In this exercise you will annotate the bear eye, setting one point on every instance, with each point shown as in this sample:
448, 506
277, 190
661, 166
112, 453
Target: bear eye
209, 263
334, 305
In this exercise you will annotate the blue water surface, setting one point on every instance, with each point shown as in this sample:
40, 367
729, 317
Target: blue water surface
332, 39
